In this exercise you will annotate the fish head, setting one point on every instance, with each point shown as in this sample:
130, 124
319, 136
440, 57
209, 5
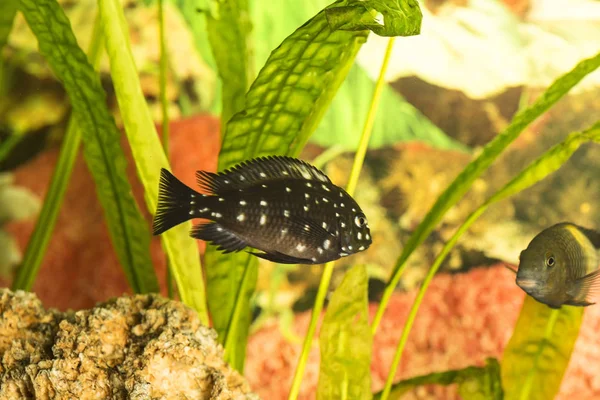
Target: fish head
356, 235
542, 269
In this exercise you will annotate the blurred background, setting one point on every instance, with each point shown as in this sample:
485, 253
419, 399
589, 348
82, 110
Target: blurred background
450, 91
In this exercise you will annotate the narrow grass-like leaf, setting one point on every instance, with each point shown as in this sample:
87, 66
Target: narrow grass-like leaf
475, 168
539, 350
548, 163
102, 150
345, 341
474, 383
228, 27
8, 10
38, 242
148, 154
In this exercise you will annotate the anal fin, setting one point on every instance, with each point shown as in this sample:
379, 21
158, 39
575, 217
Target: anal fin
216, 234
282, 258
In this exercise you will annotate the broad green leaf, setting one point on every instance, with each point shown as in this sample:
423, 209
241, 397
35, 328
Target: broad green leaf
539, 350
475, 168
228, 28
474, 383
548, 163
345, 341
8, 10
400, 17
102, 150
149, 156
283, 107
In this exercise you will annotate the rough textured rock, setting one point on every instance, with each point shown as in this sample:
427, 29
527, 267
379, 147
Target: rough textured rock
138, 347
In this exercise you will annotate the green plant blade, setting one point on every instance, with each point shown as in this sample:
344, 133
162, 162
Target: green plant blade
474, 383
282, 109
475, 168
148, 154
548, 163
400, 17
102, 151
345, 341
539, 350
7, 16
228, 28
38, 242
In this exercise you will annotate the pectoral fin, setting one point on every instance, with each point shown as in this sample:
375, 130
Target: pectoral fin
584, 289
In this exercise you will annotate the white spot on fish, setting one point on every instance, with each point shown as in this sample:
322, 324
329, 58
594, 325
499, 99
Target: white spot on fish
219, 229
368, 237
287, 189
284, 172
286, 213
284, 231
361, 248
243, 203
221, 199
334, 205
324, 225
242, 178
342, 254
263, 175
305, 208
300, 247
204, 195
263, 219
191, 212
337, 214
263, 203
341, 194
226, 181
344, 248
342, 205
313, 259
305, 173
316, 201
326, 244
307, 228
325, 199
216, 215
359, 235
241, 217
264, 186
343, 225
205, 209
306, 196
192, 195
325, 188
192, 202
337, 233
320, 250
349, 247
354, 210
308, 184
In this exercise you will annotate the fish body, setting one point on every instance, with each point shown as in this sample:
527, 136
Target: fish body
287, 209
561, 266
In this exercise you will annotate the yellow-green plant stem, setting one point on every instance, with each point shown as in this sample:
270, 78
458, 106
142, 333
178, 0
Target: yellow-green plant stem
536, 171
351, 186
38, 243
164, 105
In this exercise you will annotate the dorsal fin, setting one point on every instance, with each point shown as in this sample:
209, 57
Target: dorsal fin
592, 235
262, 169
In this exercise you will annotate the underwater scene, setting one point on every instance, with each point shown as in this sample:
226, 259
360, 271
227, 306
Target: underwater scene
319, 199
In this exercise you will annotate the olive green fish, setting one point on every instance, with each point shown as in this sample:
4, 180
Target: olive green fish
561, 265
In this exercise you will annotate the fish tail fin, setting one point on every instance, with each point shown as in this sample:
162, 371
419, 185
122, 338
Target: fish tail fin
175, 201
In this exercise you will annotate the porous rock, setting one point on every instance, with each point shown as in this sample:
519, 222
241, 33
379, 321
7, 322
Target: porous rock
138, 347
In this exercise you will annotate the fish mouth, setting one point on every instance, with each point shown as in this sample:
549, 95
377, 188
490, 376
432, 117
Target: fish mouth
527, 284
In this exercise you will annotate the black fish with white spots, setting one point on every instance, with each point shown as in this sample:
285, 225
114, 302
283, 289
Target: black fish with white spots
283, 207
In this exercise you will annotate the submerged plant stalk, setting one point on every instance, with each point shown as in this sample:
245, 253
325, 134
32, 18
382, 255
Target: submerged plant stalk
38, 243
352, 181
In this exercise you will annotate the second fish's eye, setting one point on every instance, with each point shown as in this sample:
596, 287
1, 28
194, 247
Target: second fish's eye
550, 261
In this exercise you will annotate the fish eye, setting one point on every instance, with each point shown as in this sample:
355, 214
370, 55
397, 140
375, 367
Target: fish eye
360, 221
550, 261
